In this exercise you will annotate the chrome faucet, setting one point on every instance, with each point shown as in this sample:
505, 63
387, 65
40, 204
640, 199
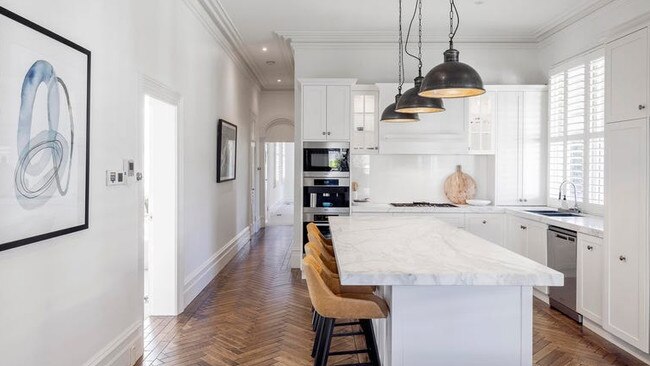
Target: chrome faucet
575, 207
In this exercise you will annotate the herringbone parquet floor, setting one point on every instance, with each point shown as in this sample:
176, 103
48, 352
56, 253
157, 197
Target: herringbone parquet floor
256, 312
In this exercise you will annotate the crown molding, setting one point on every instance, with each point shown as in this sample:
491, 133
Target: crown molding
342, 37
214, 18
568, 18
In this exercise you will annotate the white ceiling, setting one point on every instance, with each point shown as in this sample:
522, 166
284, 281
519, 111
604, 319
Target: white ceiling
255, 24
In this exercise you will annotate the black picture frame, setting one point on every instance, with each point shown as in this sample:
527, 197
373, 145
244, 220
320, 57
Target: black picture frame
226, 167
56, 37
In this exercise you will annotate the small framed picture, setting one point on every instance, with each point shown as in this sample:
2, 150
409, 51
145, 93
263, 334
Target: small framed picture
226, 151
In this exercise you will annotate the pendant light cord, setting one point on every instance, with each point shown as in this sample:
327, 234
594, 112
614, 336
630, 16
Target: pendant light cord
452, 31
400, 55
416, 10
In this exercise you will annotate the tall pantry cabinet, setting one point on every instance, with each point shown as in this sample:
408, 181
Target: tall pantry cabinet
627, 285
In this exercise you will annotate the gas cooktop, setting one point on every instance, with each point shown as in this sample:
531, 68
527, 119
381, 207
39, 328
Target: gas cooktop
422, 204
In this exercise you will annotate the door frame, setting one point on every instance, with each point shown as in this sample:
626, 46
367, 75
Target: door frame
155, 89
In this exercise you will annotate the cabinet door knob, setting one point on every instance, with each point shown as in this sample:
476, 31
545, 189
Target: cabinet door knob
324, 133
525, 200
485, 221
622, 258
641, 107
328, 133
523, 227
589, 247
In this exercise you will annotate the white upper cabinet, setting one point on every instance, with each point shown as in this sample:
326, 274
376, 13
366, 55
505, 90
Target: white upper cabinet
627, 77
481, 123
435, 133
338, 112
627, 284
314, 112
326, 109
521, 146
365, 120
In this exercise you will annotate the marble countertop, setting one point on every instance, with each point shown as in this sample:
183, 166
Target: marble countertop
419, 250
586, 224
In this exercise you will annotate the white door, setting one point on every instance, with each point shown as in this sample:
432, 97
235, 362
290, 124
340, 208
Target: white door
627, 77
590, 277
533, 148
161, 206
536, 245
626, 231
314, 112
338, 112
516, 236
507, 159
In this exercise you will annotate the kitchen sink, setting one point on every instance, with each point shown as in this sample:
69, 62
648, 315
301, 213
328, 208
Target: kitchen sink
553, 213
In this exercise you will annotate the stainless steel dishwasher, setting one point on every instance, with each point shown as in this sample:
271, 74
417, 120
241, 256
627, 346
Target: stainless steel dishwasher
562, 257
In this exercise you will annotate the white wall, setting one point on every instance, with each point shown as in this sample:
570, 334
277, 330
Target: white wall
408, 178
65, 300
497, 63
593, 30
276, 106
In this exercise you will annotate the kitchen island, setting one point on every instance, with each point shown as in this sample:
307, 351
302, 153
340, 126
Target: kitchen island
454, 298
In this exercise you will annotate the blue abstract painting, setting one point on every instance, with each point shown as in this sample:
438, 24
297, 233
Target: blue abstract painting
44, 133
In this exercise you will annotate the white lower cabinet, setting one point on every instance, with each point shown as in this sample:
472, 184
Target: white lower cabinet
487, 226
527, 238
590, 277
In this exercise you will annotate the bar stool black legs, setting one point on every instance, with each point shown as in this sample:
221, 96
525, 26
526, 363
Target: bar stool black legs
323, 341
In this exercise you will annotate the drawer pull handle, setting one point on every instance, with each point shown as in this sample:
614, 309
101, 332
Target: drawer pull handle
622, 258
523, 227
589, 247
485, 221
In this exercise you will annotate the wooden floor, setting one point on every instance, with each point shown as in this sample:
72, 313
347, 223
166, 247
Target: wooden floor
256, 312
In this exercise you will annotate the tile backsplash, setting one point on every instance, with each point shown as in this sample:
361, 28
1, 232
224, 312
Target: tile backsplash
406, 178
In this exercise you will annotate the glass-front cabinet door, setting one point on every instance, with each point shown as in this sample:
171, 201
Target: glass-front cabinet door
481, 116
365, 121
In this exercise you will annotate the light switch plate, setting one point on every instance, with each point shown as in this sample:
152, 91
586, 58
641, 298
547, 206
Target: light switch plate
115, 178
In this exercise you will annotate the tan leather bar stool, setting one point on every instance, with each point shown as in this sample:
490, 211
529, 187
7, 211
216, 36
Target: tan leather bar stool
331, 280
331, 306
318, 235
319, 251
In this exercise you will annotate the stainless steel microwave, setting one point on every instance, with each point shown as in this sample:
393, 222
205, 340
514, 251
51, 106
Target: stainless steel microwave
326, 159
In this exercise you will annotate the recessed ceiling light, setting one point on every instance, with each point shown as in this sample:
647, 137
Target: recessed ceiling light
479, 2
279, 80
264, 49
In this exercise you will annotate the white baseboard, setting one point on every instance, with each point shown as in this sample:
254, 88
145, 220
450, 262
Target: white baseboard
124, 350
540, 295
196, 281
616, 341
296, 258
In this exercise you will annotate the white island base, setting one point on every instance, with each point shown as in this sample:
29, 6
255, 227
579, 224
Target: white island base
456, 326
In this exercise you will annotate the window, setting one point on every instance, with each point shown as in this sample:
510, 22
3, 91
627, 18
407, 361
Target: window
576, 129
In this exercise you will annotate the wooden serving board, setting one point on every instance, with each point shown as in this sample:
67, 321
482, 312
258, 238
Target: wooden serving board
459, 187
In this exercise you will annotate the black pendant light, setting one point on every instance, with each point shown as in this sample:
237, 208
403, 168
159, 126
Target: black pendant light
389, 114
452, 78
411, 101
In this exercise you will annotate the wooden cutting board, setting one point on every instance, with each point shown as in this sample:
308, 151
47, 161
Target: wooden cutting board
460, 187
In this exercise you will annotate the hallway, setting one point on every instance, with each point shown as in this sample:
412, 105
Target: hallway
256, 312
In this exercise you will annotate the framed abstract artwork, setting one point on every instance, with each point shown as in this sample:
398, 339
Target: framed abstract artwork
44, 133
226, 151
